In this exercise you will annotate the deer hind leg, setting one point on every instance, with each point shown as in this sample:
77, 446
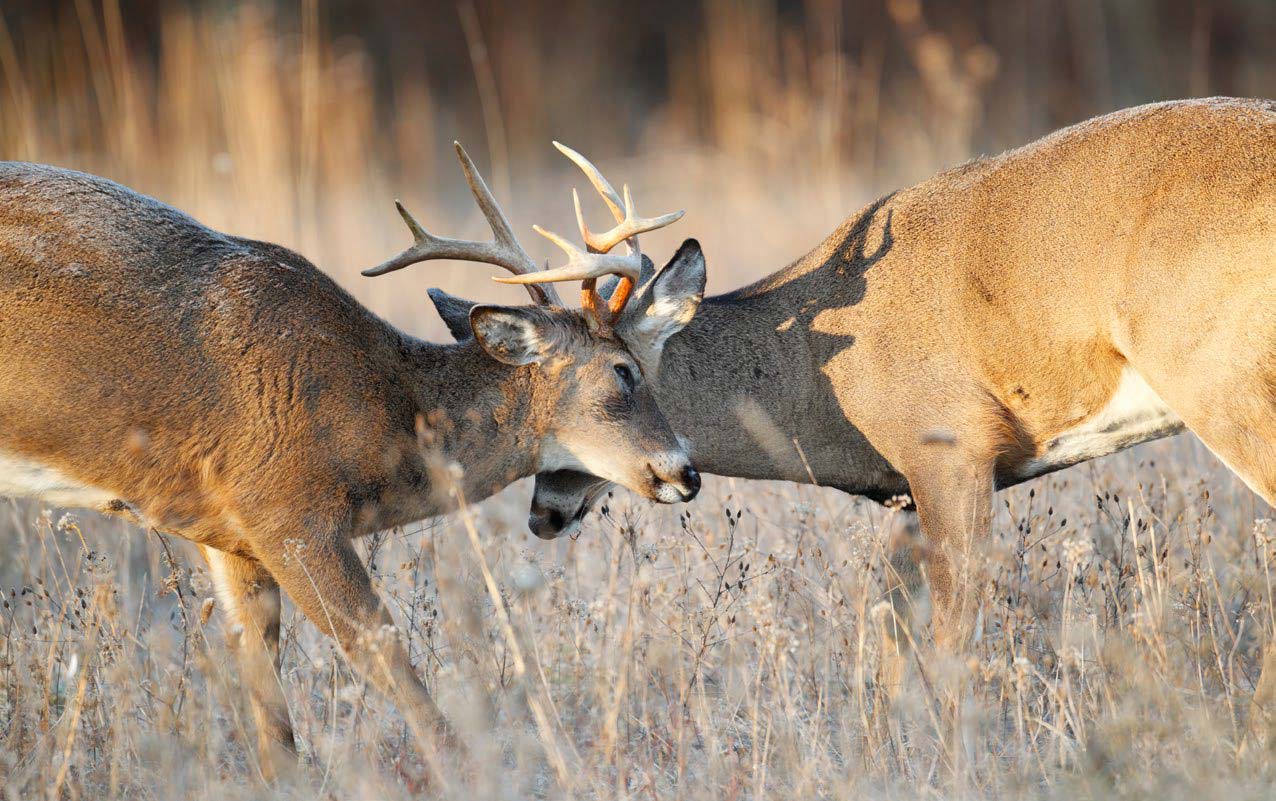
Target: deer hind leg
250, 597
1248, 447
1239, 426
326, 580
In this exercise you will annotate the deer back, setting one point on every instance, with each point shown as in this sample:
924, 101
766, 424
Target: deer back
147, 355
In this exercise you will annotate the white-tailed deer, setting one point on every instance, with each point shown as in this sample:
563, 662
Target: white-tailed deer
228, 392
1107, 285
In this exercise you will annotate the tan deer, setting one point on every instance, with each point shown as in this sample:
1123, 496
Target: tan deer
1109, 284
226, 391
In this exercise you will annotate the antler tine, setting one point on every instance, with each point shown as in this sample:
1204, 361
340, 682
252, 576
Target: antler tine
628, 226
580, 266
627, 229
596, 178
504, 251
628, 223
500, 226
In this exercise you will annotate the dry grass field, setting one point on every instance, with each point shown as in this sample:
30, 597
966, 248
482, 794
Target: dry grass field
726, 649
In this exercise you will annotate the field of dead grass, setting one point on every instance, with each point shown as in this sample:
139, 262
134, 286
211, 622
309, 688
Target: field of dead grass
727, 649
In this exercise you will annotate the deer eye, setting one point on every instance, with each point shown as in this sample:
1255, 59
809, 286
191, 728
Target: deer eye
625, 376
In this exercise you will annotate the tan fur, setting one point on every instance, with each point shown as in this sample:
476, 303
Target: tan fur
942, 338
228, 392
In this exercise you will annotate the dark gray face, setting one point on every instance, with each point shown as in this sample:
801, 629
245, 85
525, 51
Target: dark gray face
561, 500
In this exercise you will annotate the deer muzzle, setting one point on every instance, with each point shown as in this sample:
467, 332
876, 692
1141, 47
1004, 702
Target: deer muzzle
548, 523
673, 480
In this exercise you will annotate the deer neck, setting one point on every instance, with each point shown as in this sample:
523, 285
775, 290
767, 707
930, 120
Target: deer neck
728, 382
475, 412
747, 380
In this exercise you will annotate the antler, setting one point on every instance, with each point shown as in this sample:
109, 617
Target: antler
504, 251
628, 226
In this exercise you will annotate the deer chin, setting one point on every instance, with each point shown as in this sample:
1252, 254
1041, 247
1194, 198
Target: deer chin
666, 477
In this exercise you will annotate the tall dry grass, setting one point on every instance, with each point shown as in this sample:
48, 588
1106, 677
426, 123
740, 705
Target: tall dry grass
732, 648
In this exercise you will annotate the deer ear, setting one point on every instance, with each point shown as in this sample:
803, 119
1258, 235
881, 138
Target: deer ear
665, 304
455, 313
513, 335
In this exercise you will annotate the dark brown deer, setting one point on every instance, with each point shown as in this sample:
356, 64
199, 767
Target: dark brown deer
228, 392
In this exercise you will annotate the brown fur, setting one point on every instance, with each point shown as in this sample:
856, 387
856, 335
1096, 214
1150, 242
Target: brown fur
228, 392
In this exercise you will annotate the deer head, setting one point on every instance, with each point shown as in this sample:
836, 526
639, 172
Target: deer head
586, 392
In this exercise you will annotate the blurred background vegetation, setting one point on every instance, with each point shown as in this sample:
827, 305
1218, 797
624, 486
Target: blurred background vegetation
300, 121
871, 81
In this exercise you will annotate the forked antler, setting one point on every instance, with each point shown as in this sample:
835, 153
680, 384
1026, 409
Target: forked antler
628, 226
628, 223
505, 251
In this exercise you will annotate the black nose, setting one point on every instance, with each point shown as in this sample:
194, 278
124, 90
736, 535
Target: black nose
690, 480
546, 524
